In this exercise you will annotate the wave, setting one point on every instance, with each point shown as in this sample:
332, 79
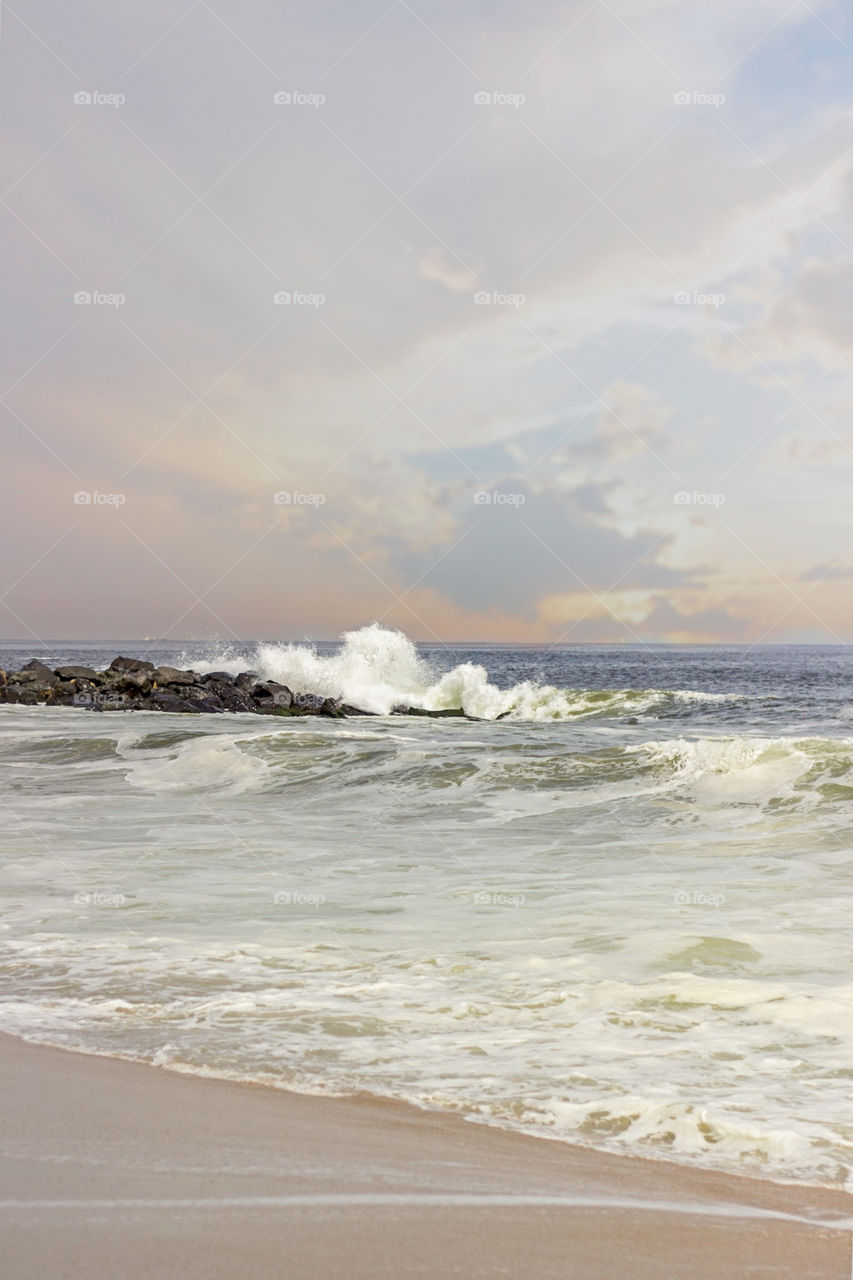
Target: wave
747, 769
378, 669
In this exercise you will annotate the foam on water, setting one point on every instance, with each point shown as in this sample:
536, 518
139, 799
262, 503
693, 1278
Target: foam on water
620, 916
378, 669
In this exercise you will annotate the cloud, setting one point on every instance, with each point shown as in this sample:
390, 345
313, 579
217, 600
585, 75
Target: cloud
589, 205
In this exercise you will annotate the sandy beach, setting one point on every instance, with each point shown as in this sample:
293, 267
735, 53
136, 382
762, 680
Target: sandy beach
113, 1169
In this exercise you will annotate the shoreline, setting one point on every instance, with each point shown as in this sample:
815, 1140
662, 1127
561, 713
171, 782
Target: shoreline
537, 1134
113, 1167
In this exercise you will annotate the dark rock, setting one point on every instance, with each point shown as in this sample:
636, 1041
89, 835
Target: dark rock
67, 695
132, 684
23, 694
36, 672
446, 713
164, 700
78, 673
195, 691
134, 681
208, 705
271, 690
130, 664
308, 704
230, 699
171, 675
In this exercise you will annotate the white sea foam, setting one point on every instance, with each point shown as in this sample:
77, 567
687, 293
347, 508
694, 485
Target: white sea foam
758, 770
378, 669
209, 762
626, 934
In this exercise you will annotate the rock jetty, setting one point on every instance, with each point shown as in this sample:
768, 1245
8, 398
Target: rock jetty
132, 684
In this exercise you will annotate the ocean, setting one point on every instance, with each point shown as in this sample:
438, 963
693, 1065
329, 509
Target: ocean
619, 915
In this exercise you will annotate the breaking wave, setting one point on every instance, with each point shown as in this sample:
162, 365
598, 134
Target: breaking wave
378, 669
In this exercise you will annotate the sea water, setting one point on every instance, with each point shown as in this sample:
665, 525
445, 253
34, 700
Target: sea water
620, 914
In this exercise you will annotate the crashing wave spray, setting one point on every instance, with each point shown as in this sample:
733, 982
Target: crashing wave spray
378, 669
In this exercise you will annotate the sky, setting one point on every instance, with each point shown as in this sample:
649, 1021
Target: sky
481, 319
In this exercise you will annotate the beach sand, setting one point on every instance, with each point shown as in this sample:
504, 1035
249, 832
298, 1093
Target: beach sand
117, 1171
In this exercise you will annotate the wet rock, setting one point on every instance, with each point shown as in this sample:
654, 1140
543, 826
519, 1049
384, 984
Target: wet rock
165, 700
171, 675
135, 681
307, 704
36, 672
195, 691
199, 702
332, 707
132, 684
446, 713
22, 694
79, 673
231, 699
271, 691
130, 664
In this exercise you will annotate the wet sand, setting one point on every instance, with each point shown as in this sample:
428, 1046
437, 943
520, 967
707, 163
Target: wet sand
116, 1171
